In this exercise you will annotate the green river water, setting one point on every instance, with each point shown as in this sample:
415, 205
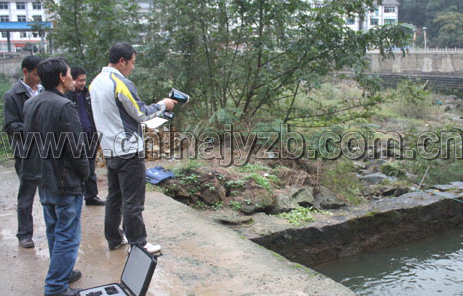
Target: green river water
432, 266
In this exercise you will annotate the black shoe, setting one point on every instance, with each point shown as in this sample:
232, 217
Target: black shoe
26, 243
75, 276
94, 201
68, 292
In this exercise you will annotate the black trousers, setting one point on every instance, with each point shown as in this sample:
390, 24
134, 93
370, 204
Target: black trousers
26, 193
125, 201
91, 188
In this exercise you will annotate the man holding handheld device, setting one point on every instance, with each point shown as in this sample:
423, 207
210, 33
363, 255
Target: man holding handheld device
118, 112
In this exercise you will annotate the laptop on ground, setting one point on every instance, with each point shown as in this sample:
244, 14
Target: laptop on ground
135, 278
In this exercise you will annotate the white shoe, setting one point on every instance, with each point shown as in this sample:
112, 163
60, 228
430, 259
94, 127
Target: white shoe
152, 249
123, 242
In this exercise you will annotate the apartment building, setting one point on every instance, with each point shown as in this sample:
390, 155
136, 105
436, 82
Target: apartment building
18, 15
385, 14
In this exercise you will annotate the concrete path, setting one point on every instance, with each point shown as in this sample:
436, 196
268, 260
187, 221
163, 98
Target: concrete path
200, 257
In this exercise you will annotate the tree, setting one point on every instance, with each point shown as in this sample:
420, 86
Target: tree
243, 59
86, 29
423, 13
450, 32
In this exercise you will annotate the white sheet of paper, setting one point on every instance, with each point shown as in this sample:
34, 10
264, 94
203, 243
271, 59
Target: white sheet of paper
155, 122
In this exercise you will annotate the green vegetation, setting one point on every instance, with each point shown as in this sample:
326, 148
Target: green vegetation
252, 168
260, 180
235, 205
443, 19
238, 183
340, 177
298, 215
5, 83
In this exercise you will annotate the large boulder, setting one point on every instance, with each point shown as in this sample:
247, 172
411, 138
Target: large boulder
295, 197
326, 199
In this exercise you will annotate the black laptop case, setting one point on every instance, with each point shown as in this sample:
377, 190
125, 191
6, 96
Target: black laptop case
135, 278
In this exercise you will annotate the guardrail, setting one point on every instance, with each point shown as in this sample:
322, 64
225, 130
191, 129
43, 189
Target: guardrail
11, 55
425, 50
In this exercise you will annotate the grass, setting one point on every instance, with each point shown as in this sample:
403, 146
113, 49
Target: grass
260, 180
298, 215
235, 205
340, 177
252, 168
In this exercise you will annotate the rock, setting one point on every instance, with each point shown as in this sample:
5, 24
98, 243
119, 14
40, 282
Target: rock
389, 169
374, 179
255, 199
444, 187
445, 194
326, 199
212, 192
457, 185
231, 218
295, 197
359, 165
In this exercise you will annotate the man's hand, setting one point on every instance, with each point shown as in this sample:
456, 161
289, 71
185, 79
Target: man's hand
169, 103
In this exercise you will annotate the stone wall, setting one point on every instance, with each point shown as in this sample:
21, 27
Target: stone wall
10, 66
419, 63
389, 222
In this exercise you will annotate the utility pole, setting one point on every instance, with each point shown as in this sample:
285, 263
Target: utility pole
425, 39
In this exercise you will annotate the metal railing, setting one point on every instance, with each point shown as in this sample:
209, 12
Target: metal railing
425, 50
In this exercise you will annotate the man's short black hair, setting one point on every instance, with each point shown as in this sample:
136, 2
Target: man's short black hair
121, 50
30, 62
76, 71
49, 71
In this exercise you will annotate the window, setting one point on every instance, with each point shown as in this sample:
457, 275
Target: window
36, 5
21, 5
37, 18
23, 35
350, 21
374, 21
389, 21
35, 34
389, 9
4, 18
377, 11
4, 34
22, 18
3, 5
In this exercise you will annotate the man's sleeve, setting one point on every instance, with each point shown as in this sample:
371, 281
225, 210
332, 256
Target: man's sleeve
137, 109
11, 115
75, 146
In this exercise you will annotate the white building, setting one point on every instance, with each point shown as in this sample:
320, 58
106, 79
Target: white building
20, 12
385, 14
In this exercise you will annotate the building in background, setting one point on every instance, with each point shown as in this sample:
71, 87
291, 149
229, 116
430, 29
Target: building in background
385, 14
21, 15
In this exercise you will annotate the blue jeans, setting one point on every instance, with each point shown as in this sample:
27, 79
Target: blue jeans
62, 218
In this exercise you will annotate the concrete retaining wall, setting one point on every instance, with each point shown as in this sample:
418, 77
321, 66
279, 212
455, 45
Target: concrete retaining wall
10, 66
419, 63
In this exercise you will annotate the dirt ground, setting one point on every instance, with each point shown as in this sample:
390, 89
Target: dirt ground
200, 257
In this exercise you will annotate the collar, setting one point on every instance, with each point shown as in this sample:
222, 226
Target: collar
111, 70
57, 92
30, 91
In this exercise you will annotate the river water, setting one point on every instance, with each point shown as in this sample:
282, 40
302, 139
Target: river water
432, 266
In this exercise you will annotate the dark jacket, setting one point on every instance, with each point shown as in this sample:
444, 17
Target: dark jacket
92, 147
88, 105
62, 170
13, 103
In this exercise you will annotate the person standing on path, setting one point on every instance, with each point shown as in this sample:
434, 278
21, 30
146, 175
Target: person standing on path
14, 100
81, 98
60, 169
118, 112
